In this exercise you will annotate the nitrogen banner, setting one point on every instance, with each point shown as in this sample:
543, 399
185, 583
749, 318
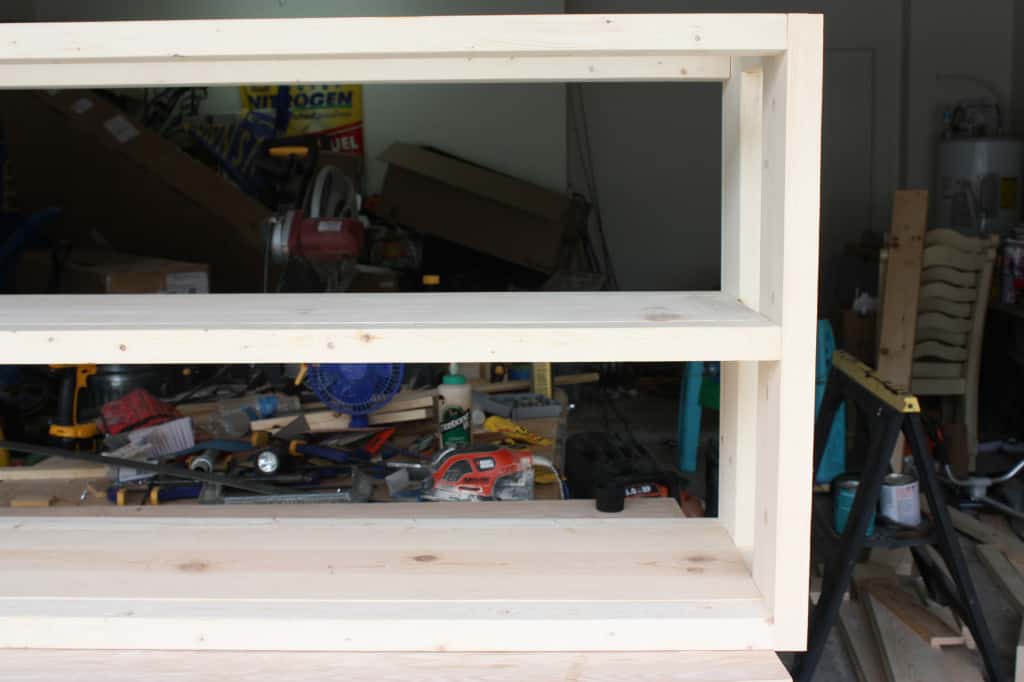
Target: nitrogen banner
334, 112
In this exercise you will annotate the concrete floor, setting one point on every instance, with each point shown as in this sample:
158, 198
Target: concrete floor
652, 420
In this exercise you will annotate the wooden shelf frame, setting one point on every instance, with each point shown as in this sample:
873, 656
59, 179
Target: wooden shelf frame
761, 324
455, 577
480, 327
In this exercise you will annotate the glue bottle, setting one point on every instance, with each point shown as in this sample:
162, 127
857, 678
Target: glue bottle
455, 404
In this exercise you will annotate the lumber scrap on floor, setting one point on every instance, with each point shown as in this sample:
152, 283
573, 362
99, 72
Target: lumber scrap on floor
899, 559
949, 617
860, 643
909, 608
982, 532
947, 614
906, 657
1005, 574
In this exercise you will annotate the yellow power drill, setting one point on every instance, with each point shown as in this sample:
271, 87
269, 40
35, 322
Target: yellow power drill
74, 379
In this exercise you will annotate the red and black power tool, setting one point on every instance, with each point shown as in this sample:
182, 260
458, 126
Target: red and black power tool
610, 468
486, 473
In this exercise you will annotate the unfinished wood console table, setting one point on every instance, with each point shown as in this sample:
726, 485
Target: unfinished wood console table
460, 578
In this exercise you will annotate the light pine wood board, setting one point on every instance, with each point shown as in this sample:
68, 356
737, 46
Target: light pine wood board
788, 294
355, 37
52, 469
385, 49
154, 666
461, 581
366, 626
367, 70
412, 559
551, 510
742, 168
63, 492
470, 327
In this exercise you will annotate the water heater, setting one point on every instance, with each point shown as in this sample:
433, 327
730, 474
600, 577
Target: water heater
980, 186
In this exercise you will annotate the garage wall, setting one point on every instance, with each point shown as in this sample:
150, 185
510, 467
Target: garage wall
1017, 72
17, 10
878, 136
517, 129
956, 50
682, 122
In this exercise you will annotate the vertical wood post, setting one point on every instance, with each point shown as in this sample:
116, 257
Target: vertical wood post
789, 275
742, 140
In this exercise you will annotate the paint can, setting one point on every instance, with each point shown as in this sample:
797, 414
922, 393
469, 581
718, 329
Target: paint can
844, 492
900, 501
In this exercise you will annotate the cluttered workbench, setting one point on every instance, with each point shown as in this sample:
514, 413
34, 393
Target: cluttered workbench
408, 423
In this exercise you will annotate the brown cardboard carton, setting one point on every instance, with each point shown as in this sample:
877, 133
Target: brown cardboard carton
95, 271
474, 206
123, 187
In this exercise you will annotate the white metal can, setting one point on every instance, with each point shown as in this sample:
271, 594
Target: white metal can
900, 500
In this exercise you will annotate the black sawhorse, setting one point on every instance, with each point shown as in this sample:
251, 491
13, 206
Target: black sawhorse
887, 412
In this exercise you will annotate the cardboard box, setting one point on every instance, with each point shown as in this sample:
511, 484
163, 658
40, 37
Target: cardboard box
122, 187
93, 271
858, 336
486, 211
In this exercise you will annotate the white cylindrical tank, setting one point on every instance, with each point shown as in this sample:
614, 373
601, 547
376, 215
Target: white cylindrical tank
980, 186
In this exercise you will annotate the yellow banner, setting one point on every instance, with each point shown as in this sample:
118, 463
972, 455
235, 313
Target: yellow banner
334, 112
